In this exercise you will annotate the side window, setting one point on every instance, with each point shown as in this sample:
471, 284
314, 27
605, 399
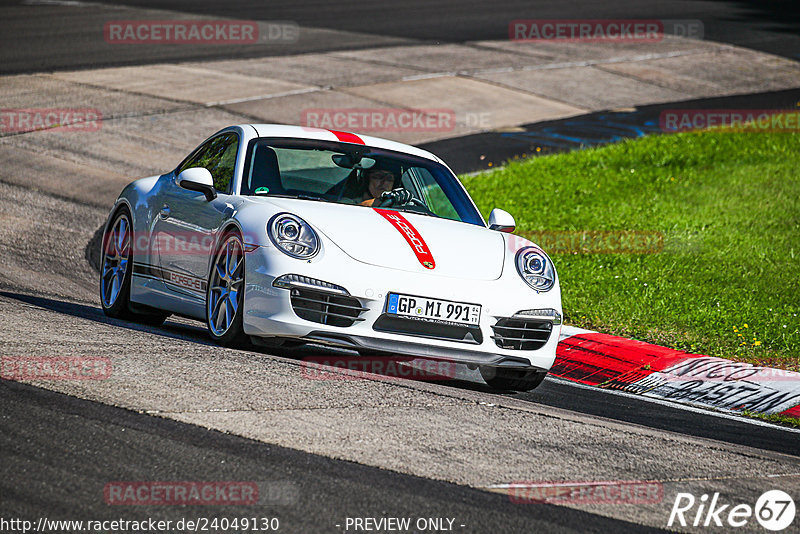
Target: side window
218, 156
407, 181
434, 196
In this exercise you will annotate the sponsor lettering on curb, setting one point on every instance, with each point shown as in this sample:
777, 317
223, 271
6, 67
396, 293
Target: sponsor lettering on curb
612, 362
723, 384
711, 369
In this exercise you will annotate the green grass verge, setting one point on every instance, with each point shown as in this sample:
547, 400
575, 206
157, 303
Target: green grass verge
727, 280
778, 419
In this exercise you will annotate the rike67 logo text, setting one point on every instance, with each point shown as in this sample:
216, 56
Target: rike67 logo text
774, 510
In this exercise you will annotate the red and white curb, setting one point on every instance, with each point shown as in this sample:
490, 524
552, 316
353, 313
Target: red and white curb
616, 363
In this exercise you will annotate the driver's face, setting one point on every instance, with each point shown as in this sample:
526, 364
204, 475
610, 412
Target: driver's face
379, 183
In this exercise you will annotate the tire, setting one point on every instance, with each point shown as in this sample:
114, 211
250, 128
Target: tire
116, 267
512, 379
225, 294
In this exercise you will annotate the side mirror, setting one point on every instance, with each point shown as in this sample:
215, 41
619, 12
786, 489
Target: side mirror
502, 221
200, 180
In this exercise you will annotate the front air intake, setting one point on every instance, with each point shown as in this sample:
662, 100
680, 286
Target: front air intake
326, 308
520, 333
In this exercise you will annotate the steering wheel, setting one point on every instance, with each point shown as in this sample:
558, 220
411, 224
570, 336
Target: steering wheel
395, 197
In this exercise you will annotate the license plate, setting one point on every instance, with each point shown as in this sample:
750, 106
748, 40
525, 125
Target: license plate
436, 310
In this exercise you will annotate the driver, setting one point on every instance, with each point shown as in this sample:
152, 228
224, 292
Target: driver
378, 189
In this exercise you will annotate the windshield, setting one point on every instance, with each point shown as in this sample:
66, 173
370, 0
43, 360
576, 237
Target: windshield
360, 176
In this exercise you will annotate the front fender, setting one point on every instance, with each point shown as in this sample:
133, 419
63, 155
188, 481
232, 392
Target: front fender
252, 218
137, 196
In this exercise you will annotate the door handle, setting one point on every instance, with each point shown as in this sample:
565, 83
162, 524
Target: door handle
164, 213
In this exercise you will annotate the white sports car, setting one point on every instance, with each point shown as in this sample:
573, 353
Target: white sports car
283, 234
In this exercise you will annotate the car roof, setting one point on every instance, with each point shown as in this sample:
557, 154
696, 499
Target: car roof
303, 132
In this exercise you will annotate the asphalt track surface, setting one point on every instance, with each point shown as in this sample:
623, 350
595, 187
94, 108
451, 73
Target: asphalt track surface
768, 26
69, 448
39, 35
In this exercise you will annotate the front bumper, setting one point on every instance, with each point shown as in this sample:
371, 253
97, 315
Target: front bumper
414, 348
268, 311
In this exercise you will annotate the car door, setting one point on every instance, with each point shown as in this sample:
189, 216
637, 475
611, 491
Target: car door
188, 223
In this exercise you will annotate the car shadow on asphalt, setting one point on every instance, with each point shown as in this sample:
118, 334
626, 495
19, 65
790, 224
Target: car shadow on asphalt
183, 329
171, 329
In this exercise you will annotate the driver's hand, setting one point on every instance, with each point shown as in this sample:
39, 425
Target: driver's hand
398, 197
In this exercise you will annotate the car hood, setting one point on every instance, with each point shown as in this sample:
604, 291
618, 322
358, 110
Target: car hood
372, 236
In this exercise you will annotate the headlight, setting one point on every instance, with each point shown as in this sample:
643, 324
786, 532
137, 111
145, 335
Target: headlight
293, 236
536, 269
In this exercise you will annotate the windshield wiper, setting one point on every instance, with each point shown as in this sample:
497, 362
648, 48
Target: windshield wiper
427, 213
304, 196
301, 196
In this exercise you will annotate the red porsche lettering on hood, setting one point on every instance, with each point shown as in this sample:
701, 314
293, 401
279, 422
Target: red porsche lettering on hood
412, 237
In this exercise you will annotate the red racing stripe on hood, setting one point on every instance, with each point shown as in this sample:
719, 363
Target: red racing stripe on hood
413, 238
347, 137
